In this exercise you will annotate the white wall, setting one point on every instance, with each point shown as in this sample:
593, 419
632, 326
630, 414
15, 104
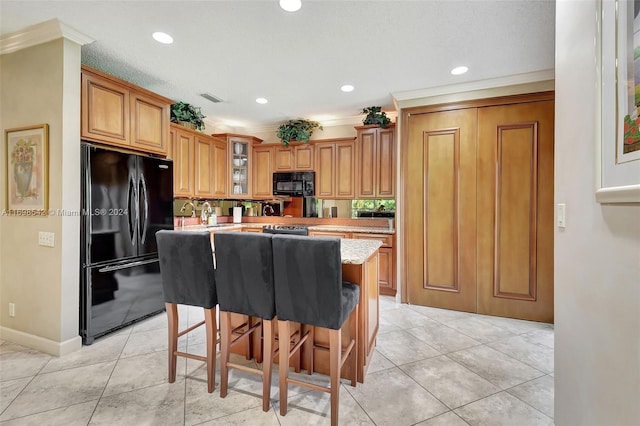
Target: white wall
597, 257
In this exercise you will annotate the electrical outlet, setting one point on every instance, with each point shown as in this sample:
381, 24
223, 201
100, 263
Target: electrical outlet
12, 309
46, 239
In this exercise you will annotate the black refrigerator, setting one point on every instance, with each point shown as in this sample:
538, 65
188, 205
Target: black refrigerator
126, 199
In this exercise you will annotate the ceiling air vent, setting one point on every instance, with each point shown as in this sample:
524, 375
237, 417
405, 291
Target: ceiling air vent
211, 97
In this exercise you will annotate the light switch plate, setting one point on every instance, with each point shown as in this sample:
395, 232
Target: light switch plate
562, 215
46, 239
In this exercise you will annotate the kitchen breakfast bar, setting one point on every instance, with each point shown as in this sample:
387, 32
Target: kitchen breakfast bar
359, 266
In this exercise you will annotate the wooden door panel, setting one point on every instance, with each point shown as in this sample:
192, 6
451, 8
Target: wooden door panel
515, 211
440, 208
262, 172
303, 157
440, 259
386, 161
105, 111
183, 165
220, 173
345, 170
367, 163
203, 170
149, 121
284, 158
325, 170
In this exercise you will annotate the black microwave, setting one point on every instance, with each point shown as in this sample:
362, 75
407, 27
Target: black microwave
294, 184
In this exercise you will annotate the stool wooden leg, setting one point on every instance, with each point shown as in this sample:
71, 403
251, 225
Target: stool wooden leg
335, 355
309, 350
283, 366
267, 363
210, 325
225, 346
172, 319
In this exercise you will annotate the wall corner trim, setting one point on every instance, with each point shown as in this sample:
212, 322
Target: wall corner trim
41, 33
40, 343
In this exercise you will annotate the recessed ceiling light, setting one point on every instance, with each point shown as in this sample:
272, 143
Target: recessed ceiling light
347, 88
291, 5
161, 37
261, 100
459, 70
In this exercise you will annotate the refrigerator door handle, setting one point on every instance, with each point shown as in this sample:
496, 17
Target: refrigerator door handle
127, 265
131, 195
144, 222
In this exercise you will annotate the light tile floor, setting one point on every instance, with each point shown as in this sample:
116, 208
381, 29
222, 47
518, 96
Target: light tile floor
431, 367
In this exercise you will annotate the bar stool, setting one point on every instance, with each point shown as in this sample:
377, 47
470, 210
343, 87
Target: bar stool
186, 266
244, 282
309, 290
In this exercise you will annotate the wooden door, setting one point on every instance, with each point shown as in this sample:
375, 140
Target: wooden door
203, 167
345, 179
149, 123
516, 210
220, 168
366, 163
385, 163
440, 194
262, 172
284, 159
325, 169
183, 163
303, 155
105, 111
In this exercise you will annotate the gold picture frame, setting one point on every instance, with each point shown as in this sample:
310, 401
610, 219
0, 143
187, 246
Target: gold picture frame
27, 170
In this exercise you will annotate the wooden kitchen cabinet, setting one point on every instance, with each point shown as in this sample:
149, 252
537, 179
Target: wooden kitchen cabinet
262, 184
376, 160
239, 148
183, 155
199, 164
386, 261
335, 169
294, 157
118, 113
330, 234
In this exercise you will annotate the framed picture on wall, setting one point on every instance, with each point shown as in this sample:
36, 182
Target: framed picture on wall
618, 69
27, 170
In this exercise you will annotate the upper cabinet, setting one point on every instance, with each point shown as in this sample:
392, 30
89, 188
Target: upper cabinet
335, 168
239, 149
199, 164
294, 157
118, 113
376, 159
263, 171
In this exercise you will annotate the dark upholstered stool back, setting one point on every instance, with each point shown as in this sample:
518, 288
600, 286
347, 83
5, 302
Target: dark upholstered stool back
186, 266
244, 273
308, 279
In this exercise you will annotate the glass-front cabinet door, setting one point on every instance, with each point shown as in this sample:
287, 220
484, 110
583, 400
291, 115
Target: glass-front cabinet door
240, 157
239, 148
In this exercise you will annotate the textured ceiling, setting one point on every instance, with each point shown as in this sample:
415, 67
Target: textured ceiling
240, 50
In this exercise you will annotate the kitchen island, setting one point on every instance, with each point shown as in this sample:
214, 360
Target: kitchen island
359, 266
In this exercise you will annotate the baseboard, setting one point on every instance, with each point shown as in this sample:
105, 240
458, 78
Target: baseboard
40, 343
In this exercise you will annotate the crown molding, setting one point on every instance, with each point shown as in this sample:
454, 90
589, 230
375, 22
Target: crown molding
41, 33
405, 97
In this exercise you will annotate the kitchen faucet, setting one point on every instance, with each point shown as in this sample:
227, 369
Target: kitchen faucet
205, 212
184, 208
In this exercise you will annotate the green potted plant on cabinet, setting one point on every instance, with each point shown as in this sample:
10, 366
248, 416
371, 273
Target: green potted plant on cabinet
187, 115
297, 130
375, 115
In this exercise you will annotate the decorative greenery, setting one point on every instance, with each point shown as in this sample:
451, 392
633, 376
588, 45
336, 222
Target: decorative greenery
297, 130
182, 111
376, 116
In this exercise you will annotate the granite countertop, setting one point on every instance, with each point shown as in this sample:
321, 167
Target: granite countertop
219, 227
334, 228
356, 252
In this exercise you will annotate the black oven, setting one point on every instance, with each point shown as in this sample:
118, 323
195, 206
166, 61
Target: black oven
294, 184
